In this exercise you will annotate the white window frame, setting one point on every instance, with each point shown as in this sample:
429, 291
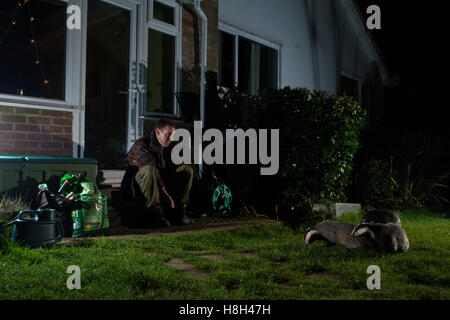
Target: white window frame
174, 30
236, 32
72, 79
74, 83
76, 43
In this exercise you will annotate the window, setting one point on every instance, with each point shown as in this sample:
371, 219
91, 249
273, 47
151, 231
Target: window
163, 54
163, 12
161, 72
268, 67
252, 67
349, 87
33, 48
226, 60
258, 66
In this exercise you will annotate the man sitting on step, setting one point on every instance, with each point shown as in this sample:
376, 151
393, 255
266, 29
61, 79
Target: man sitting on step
151, 171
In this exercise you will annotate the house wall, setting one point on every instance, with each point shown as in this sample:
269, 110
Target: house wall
282, 22
192, 35
319, 39
192, 45
342, 43
35, 131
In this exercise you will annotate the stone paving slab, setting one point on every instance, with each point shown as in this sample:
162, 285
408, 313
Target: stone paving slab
187, 268
214, 257
247, 254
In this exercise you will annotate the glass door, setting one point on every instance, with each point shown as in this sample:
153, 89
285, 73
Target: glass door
111, 95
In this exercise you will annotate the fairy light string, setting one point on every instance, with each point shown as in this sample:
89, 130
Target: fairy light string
13, 22
36, 49
33, 40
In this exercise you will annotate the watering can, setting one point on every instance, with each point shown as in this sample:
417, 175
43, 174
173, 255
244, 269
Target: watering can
36, 228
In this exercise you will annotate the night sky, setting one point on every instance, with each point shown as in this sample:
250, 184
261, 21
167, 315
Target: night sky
411, 41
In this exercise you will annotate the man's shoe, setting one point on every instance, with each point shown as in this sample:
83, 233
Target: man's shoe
180, 216
185, 220
161, 222
158, 219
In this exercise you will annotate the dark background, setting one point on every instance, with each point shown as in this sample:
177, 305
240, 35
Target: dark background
415, 127
411, 41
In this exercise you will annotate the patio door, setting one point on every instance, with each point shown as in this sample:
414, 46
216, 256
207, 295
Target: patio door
111, 96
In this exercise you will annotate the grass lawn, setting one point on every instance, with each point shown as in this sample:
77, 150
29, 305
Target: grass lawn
278, 266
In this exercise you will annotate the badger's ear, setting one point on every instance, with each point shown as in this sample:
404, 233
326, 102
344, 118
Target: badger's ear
375, 227
356, 229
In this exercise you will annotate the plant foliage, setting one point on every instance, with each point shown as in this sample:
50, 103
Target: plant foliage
319, 135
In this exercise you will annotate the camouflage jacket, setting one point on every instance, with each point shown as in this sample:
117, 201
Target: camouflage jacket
146, 151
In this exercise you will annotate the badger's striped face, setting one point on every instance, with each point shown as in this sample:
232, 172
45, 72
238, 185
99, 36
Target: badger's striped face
362, 229
308, 236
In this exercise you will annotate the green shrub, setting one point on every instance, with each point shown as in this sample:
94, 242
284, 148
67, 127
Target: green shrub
380, 190
387, 187
398, 170
319, 135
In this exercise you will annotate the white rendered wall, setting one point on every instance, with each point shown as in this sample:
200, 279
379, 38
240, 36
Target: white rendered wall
308, 59
282, 22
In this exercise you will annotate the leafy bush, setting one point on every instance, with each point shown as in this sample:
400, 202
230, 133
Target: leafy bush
398, 170
319, 135
388, 188
299, 213
380, 190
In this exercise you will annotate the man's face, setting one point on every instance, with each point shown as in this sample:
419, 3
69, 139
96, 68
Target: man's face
164, 135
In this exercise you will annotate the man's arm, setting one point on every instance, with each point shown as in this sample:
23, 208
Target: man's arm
139, 154
162, 187
168, 197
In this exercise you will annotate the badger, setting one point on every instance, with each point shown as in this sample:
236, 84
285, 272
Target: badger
381, 216
389, 237
333, 232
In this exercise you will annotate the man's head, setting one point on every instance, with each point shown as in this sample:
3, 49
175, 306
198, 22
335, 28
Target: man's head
164, 130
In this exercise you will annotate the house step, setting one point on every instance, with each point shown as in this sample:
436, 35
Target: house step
108, 190
111, 178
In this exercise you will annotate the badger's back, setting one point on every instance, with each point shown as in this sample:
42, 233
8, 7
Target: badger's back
381, 216
393, 238
334, 232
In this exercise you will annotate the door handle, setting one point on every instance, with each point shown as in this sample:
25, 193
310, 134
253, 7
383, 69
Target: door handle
140, 89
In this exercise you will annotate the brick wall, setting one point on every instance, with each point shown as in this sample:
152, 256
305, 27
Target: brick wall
35, 131
192, 35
